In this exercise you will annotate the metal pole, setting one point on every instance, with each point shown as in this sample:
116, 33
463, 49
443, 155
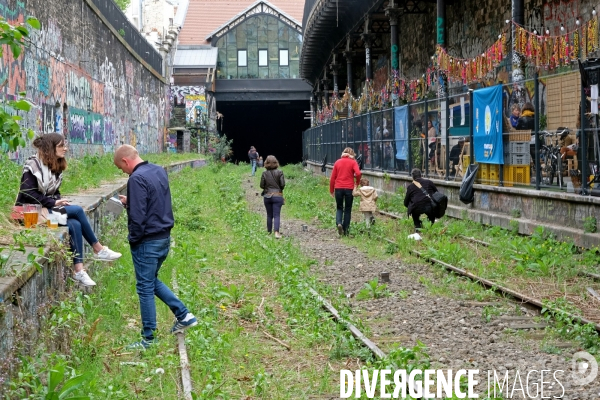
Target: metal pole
409, 144
471, 121
441, 22
447, 100
583, 143
426, 139
536, 129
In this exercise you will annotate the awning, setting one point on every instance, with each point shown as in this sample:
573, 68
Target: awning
196, 57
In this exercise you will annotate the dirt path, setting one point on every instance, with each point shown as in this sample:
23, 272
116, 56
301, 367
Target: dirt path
454, 331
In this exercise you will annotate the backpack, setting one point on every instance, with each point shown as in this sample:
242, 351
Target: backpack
439, 201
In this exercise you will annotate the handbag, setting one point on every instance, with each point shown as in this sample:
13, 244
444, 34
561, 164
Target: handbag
439, 201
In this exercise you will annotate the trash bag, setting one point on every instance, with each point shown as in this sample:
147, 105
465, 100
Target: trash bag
466, 193
323, 169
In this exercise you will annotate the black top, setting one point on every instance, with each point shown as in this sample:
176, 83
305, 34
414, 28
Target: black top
415, 196
525, 123
272, 181
149, 209
455, 154
30, 194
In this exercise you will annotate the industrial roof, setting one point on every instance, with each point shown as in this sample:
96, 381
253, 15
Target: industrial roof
206, 16
196, 56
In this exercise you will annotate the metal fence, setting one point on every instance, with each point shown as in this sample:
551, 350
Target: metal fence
560, 157
135, 39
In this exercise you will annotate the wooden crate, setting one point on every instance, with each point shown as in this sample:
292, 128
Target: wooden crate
562, 98
519, 174
519, 136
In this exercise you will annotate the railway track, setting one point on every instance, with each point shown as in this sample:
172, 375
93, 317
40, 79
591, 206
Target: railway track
523, 299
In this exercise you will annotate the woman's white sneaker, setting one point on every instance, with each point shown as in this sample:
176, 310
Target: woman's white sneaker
83, 278
107, 254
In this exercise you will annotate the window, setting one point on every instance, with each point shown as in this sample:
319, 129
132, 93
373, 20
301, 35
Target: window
283, 58
262, 58
242, 58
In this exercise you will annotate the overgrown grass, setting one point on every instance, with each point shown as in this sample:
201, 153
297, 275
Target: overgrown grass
228, 276
539, 265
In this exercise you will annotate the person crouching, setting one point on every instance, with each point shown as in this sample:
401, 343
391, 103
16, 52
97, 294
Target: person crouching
418, 198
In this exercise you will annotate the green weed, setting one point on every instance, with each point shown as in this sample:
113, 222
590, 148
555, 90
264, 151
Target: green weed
373, 290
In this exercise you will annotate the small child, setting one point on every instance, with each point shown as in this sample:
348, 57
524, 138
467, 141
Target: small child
260, 162
368, 198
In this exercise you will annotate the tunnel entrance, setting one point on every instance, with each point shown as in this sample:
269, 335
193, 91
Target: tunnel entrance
273, 127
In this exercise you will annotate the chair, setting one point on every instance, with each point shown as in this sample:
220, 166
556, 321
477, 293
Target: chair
459, 168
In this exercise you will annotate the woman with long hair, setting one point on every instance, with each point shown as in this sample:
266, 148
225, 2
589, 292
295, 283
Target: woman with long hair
342, 182
272, 182
40, 184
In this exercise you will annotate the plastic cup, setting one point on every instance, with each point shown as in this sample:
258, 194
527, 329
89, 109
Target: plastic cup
52, 221
30, 214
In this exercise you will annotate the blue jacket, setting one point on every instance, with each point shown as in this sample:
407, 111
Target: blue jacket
149, 209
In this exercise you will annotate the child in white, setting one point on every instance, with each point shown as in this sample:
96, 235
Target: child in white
368, 198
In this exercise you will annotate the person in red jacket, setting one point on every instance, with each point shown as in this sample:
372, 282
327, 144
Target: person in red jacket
344, 177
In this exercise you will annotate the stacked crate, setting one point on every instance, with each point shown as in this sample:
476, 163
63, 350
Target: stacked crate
517, 159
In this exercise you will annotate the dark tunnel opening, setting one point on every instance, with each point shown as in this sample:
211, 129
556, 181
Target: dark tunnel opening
273, 127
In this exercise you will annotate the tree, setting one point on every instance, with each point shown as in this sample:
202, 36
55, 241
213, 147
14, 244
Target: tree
123, 4
11, 133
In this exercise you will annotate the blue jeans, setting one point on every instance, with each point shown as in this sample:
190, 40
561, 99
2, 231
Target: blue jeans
253, 163
343, 201
273, 206
79, 228
147, 260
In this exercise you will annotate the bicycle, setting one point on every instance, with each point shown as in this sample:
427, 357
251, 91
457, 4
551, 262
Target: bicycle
550, 160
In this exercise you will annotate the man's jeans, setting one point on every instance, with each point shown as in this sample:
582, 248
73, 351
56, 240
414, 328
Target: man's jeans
343, 201
253, 162
147, 260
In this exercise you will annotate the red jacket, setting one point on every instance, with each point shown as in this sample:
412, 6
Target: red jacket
345, 170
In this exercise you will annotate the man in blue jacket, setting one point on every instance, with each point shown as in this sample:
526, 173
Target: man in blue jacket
149, 221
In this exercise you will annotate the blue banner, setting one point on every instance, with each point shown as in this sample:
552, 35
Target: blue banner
487, 132
401, 132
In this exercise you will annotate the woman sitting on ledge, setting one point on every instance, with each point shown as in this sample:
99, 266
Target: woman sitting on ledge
40, 183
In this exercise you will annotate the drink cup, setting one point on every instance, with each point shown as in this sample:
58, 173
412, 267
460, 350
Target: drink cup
52, 221
30, 214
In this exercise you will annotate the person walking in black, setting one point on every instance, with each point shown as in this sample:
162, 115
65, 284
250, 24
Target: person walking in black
418, 198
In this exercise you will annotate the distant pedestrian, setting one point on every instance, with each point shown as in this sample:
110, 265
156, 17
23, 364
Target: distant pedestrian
260, 163
272, 182
368, 200
342, 182
253, 156
418, 198
150, 220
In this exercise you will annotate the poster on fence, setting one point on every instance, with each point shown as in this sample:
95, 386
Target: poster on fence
487, 132
401, 130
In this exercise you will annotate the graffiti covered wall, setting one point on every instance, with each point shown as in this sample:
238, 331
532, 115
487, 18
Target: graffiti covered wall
83, 81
